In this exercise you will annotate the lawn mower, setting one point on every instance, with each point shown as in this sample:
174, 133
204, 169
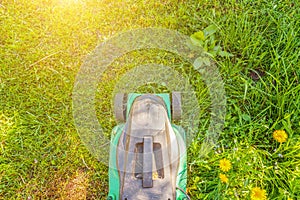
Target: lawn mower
147, 151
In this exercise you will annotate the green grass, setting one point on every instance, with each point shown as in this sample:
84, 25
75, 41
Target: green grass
43, 43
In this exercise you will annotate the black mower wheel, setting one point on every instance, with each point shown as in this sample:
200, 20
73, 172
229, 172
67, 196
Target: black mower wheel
176, 106
120, 107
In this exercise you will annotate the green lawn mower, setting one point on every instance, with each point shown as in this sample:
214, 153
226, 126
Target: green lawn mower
147, 152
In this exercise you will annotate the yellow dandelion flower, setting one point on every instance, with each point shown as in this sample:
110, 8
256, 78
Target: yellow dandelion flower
155, 175
225, 165
280, 136
224, 178
258, 194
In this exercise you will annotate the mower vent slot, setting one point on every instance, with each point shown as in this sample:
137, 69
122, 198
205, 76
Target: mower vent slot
158, 169
148, 162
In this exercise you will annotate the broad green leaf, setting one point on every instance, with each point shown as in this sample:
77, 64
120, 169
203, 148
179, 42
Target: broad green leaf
199, 35
211, 29
206, 60
217, 48
198, 63
196, 41
225, 54
246, 117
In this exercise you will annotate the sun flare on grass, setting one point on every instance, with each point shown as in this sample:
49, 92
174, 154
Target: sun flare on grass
70, 2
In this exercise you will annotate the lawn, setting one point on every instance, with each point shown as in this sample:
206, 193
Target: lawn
43, 43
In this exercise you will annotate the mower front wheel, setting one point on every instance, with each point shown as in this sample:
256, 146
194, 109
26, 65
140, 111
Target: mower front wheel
120, 107
176, 106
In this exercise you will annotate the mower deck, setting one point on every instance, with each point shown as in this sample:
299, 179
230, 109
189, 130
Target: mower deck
148, 159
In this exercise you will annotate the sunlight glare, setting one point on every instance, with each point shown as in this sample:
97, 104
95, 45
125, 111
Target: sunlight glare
70, 2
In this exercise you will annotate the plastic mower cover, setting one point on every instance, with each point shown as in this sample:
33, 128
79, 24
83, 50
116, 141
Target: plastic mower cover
148, 152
